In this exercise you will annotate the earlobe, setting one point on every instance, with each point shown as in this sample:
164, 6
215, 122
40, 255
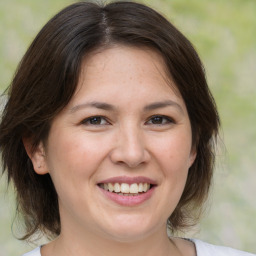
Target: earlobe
37, 156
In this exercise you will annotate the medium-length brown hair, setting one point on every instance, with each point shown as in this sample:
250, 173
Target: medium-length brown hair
47, 78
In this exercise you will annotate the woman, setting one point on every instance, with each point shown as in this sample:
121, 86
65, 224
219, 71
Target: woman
108, 134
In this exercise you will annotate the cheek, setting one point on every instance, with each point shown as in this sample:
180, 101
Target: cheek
72, 161
174, 150
74, 155
173, 154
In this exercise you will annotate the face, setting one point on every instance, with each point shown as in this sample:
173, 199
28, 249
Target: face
119, 153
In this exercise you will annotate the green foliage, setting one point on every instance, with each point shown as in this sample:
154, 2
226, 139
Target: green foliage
224, 33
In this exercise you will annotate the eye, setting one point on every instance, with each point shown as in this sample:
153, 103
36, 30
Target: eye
160, 120
95, 120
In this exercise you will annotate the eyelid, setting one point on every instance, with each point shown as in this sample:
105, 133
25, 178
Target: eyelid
85, 120
168, 118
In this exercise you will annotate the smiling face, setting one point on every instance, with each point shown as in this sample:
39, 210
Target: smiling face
125, 130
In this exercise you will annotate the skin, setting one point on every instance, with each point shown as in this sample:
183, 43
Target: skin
127, 141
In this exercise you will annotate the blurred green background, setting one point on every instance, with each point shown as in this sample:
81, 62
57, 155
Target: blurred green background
224, 33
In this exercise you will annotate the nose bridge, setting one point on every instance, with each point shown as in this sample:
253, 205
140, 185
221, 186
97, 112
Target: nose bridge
130, 148
131, 138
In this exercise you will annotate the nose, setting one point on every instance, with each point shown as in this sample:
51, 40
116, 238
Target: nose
130, 148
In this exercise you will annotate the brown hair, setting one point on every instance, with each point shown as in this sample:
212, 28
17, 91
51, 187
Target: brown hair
47, 78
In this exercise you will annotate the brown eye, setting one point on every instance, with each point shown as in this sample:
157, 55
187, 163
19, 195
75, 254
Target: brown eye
157, 120
160, 120
95, 120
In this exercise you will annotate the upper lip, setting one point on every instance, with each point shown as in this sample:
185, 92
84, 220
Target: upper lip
129, 180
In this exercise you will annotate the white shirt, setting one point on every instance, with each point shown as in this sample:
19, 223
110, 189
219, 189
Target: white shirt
205, 249
202, 249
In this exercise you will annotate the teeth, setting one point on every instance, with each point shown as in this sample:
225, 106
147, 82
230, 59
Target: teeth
134, 188
117, 188
126, 189
140, 187
146, 187
110, 187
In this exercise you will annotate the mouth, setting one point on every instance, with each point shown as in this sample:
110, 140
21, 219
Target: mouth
128, 191
125, 189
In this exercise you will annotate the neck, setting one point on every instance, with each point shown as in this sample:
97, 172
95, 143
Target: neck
90, 244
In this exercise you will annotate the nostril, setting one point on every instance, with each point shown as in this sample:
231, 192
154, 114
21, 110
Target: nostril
130, 153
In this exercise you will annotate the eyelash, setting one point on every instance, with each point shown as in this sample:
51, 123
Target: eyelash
89, 119
167, 119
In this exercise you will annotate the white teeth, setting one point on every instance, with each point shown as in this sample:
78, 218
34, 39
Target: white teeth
126, 189
145, 187
140, 187
117, 188
134, 188
110, 187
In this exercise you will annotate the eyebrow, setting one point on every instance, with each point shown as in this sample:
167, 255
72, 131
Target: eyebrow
163, 104
94, 104
109, 107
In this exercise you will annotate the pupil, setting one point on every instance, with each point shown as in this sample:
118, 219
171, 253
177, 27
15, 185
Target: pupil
95, 120
157, 120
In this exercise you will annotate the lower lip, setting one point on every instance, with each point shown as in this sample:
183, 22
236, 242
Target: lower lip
128, 200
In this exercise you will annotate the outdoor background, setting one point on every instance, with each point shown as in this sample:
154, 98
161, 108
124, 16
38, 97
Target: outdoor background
224, 33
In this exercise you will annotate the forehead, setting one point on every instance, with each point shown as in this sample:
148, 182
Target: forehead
126, 73
124, 54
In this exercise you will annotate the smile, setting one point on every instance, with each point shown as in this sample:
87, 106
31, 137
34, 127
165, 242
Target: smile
128, 191
125, 189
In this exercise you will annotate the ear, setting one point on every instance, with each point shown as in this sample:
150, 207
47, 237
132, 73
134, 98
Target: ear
192, 156
37, 156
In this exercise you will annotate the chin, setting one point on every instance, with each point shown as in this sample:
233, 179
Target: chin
128, 236
131, 230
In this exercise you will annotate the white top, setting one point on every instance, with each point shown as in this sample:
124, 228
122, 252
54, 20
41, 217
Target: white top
202, 249
205, 249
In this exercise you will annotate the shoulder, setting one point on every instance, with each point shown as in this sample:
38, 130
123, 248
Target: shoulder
205, 249
35, 252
